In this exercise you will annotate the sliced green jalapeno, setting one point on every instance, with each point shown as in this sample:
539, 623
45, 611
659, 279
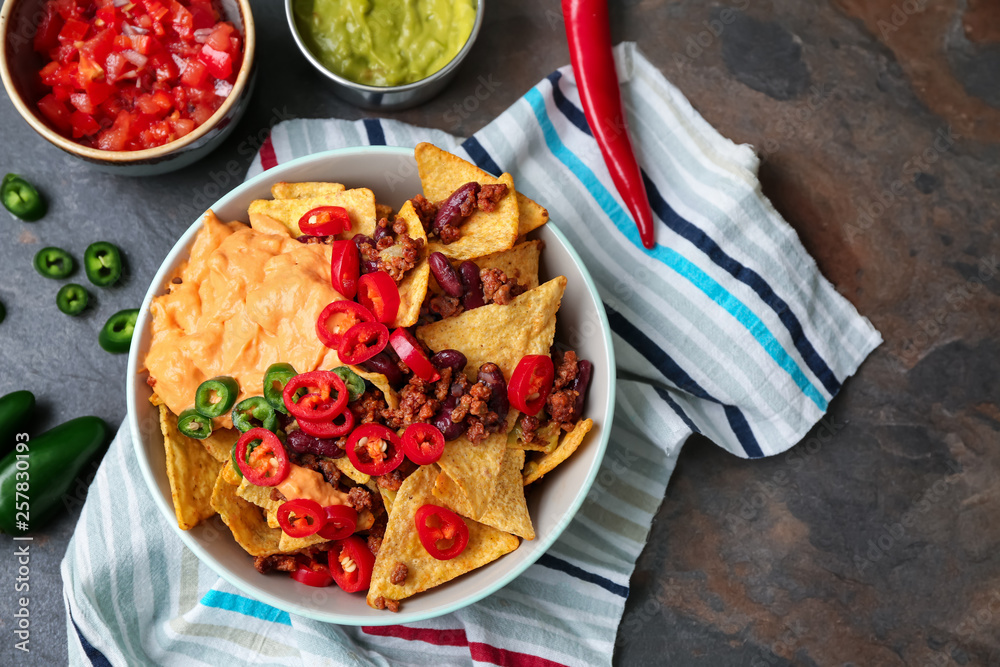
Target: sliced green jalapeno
216, 397
253, 412
236, 467
116, 335
355, 384
21, 198
54, 263
103, 263
275, 379
72, 299
194, 425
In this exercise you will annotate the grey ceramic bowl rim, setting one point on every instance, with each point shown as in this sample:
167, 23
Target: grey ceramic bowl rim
166, 509
442, 73
129, 157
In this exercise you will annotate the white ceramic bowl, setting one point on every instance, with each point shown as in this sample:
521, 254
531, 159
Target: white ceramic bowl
392, 174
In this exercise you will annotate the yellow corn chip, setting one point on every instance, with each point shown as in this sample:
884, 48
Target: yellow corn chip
258, 495
192, 473
388, 497
381, 383
287, 544
383, 211
500, 334
413, 287
359, 202
474, 469
401, 545
520, 262
345, 466
285, 190
230, 475
441, 173
538, 465
156, 400
220, 443
531, 215
244, 519
507, 510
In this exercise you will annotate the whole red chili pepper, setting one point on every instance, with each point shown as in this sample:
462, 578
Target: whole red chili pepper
589, 35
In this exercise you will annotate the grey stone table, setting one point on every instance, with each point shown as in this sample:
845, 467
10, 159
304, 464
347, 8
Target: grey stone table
875, 541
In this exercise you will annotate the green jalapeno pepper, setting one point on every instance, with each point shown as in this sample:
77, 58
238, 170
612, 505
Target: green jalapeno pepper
116, 334
194, 424
275, 379
236, 467
72, 299
255, 409
103, 263
21, 198
354, 382
54, 263
15, 408
216, 397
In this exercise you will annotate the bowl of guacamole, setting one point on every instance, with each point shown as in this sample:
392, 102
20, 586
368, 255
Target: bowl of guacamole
385, 53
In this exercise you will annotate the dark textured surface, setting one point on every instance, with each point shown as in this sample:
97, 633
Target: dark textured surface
874, 542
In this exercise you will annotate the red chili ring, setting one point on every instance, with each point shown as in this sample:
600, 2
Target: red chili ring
309, 517
350, 313
423, 443
379, 293
341, 522
450, 528
354, 349
328, 429
315, 406
269, 444
371, 465
413, 355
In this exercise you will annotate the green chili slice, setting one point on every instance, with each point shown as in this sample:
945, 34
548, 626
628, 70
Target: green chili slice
232, 455
354, 382
72, 299
216, 397
254, 412
103, 263
116, 335
54, 263
21, 198
194, 425
275, 379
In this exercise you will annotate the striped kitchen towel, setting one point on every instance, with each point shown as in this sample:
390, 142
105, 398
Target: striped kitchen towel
726, 328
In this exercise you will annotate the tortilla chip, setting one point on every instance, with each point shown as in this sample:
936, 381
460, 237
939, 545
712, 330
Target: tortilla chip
401, 545
500, 334
258, 495
474, 469
538, 465
345, 466
288, 544
507, 510
192, 473
156, 400
413, 287
220, 443
388, 498
244, 519
531, 215
381, 383
383, 211
283, 190
230, 474
441, 173
520, 263
359, 202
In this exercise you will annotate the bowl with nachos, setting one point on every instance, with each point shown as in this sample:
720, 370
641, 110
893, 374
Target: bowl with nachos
371, 380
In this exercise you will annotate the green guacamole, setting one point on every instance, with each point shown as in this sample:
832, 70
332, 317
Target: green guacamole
385, 42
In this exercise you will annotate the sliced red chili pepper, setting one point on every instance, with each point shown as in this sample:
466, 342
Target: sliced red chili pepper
315, 574
301, 517
378, 293
337, 318
338, 426
351, 564
341, 522
354, 347
409, 350
345, 267
442, 532
325, 221
530, 383
319, 404
423, 443
374, 449
267, 464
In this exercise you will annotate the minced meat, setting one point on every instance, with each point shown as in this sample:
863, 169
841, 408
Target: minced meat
399, 573
278, 562
426, 210
498, 288
490, 195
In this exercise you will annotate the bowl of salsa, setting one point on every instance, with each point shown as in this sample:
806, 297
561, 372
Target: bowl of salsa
136, 87
385, 54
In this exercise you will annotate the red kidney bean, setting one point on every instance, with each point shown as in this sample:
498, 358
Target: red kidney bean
460, 204
491, 375
360, 239
383, 363
380, 232
442, 420
584, 370
473, 284
445, 274
303, 443
452, 359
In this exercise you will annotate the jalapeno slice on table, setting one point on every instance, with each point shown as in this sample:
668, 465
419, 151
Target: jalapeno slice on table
217, 396
253, 412
116, 334
275, 379
54, 263
72, 299
21, 198
194, 425
103, 263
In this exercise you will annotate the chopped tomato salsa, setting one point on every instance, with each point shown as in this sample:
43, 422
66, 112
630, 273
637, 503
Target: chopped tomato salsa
130, 75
